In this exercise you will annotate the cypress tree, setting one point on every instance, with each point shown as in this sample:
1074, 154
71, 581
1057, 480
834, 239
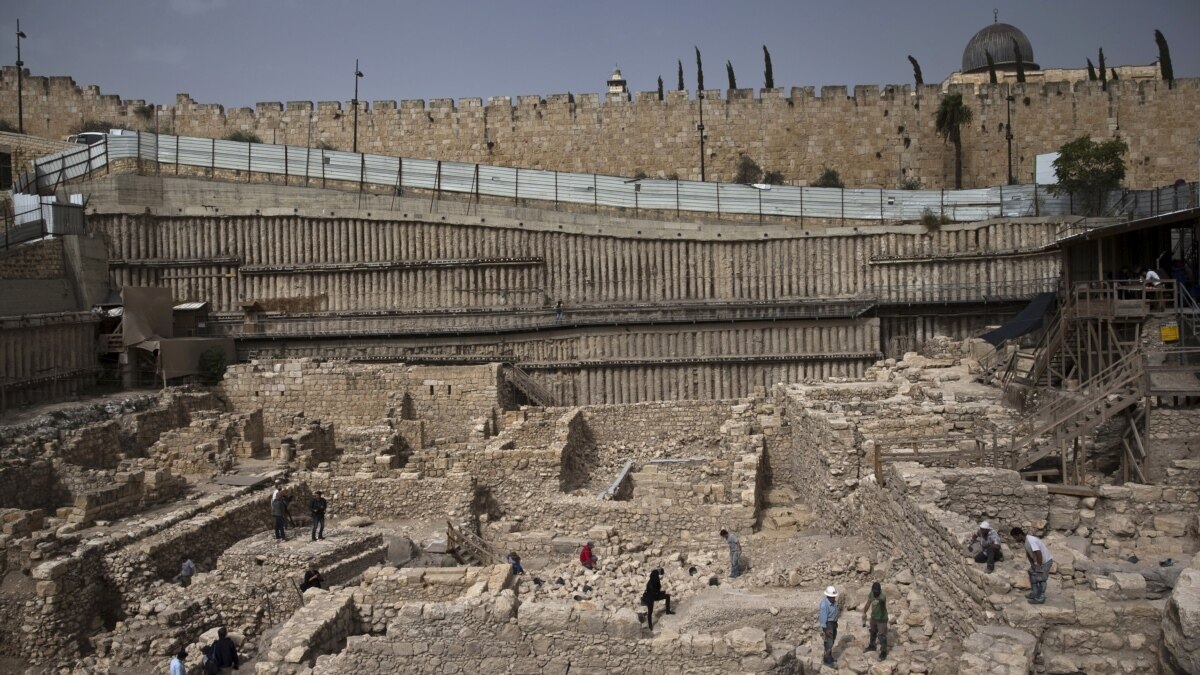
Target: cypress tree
1020, 61
1103, 72
768, 74
1164, 59
660, 88
1113, 72
732, 77
699, 72
1091, 71
680, 87
991, 67
916, 70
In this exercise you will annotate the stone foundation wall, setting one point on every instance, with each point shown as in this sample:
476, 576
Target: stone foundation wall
445, 398
37, 260
643, 423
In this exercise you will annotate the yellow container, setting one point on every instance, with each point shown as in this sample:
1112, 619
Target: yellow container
1169, 330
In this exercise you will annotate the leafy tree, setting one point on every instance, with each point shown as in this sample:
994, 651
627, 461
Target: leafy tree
951, 116
916, 70
1086, 170
1164, 59
660, 88
1020, 59
748, 171
699, 72
145, 113
1091, 71
732, 77
768, 73
773, 178
212, 366
243, 136
991, 68
1113, 73
8, 127
680, 87
1103, 72
829, 178
93, 125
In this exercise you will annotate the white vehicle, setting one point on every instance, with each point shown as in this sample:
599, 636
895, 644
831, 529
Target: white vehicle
94, 137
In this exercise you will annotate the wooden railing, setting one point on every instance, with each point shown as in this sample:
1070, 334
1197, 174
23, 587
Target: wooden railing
468, 546
526, 384
1124, 378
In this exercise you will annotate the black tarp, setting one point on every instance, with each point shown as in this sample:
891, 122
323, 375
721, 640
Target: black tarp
1026, 321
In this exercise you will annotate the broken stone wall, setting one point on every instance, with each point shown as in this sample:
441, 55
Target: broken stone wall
445, 398
396, 497
656, 422
211, 442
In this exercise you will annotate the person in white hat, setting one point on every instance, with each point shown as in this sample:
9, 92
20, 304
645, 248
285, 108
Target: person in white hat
989, 542
828, 619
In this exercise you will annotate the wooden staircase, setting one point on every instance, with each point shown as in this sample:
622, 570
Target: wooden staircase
522, 382
467, 547
1072, 415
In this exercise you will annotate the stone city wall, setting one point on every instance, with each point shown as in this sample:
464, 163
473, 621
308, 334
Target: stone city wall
865, 135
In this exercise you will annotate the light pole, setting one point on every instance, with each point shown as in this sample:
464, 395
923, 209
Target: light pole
357, 74
20, 76
1008, 137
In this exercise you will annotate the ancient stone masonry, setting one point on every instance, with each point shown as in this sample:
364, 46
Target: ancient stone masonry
863, 134
448, 397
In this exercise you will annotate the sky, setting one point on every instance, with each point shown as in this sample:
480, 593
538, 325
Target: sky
239, 52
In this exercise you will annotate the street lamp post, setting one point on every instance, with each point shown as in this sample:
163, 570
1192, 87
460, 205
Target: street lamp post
357, 74
20, 76
1008, 136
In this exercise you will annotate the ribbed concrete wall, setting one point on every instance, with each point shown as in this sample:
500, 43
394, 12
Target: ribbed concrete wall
44, 357
242, 258
637, 363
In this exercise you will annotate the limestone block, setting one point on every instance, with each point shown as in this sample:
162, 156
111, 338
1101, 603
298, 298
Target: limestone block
1092, 610
1181, 621
1171, 525
1129, 586
747, 641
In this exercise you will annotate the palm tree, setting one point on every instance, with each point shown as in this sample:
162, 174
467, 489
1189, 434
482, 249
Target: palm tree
950, 118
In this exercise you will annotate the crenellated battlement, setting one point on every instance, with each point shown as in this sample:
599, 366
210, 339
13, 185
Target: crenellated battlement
873, 135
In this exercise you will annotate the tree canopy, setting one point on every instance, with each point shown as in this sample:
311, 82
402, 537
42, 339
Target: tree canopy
1087, 169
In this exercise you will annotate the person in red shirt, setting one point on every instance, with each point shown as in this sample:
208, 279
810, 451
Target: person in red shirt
586, 558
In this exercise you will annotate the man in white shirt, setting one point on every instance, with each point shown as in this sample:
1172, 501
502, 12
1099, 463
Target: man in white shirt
1039, 564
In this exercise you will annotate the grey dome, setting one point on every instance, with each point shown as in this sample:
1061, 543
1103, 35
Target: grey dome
997, 39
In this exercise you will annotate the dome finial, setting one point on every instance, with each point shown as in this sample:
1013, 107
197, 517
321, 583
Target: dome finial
995, 16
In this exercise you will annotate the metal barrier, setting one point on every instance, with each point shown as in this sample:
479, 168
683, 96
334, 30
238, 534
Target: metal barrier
42, 220
317, 167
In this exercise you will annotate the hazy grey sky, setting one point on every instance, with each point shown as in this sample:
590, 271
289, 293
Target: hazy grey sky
238, 52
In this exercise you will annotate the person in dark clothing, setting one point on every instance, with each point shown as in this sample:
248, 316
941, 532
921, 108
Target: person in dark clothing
224, 651
312, 579
318, 516
653, 594
279, 509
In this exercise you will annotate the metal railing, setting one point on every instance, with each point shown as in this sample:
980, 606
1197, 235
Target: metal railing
40, 221
308, 166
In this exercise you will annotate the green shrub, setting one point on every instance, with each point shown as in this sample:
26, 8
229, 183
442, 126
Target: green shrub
8, 127
243, 136
773, 178
910, 183
212, 366
748, 171
829, 178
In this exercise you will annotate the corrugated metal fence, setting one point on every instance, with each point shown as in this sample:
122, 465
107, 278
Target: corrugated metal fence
481, 180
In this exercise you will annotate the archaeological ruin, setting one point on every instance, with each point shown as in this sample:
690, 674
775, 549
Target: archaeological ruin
199, 337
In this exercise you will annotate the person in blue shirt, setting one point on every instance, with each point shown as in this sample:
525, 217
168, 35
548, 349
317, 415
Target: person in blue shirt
828, 620
177, 667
